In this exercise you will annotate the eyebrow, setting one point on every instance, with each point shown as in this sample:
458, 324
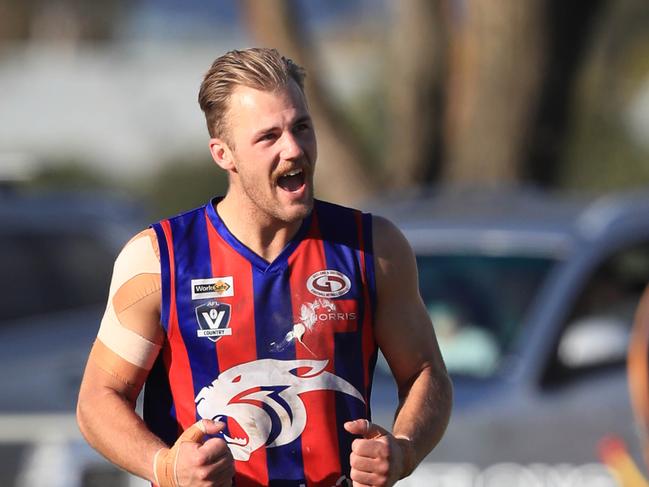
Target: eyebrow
301, 119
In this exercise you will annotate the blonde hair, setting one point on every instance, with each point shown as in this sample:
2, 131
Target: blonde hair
259, 68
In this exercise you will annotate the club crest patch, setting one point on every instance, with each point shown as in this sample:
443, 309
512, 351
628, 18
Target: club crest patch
213, 320
328, 283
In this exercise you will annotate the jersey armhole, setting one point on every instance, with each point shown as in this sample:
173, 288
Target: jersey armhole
164, 275
369, 259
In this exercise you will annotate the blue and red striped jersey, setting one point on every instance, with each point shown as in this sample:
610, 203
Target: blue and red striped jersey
282, 352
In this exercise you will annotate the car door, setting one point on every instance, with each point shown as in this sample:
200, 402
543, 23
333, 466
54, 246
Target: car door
582, 392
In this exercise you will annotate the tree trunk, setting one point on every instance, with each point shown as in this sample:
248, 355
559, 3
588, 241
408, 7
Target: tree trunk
341, 175
496, 59
414, 91
70, 21
569, 28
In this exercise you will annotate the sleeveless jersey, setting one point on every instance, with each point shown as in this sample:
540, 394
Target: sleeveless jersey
282, 352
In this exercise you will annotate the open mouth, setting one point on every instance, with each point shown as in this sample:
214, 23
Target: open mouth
237, 434
291, 181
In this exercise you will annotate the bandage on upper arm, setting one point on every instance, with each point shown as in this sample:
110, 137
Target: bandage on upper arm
130, 335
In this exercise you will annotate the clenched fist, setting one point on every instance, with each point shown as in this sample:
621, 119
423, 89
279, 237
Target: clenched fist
194, 462
378, 458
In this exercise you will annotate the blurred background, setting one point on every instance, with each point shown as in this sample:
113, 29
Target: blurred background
539, 106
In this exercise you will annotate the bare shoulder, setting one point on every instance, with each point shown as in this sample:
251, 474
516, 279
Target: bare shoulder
386, 234
393, 254
145, 238
403, 328
396, 276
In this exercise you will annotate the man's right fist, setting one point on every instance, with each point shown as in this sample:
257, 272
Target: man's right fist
191, 461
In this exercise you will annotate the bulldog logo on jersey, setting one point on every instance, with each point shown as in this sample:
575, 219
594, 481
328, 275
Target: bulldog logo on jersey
213, 319
261, 402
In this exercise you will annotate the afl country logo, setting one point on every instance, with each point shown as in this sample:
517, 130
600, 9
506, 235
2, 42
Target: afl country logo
328, 284
213, 320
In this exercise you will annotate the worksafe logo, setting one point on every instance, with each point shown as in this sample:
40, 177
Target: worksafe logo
213, 320
215, 287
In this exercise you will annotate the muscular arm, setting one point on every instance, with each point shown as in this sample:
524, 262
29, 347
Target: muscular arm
127, 343
107, 419
405, 335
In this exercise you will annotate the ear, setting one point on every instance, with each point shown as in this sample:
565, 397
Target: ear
221, 154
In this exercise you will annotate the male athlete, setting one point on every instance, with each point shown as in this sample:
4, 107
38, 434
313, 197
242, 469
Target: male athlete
254, 321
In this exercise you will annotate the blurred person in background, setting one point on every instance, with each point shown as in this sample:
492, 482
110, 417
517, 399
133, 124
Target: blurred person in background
612, 450
638, 371
255, 321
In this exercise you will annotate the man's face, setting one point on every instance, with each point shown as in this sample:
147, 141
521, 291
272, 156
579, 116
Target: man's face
273, 149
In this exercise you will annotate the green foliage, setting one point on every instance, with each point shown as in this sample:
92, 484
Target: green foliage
70, 175
181, 185
176, 186
601, 154
367, 118
602, 157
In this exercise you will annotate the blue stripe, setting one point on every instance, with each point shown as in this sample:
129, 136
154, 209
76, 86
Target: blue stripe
192, 261
287, 483
340, 238
158, 409
371, 283
369, 259
273, 320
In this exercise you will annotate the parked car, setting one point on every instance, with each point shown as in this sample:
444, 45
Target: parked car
532, 297
56, 257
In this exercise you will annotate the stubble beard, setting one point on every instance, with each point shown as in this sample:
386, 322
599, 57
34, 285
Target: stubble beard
265, 207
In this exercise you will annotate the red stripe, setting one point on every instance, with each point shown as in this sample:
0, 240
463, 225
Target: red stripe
240, 347
179, 370
320, 451
368, 341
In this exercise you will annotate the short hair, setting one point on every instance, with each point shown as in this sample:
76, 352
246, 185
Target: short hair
260, 68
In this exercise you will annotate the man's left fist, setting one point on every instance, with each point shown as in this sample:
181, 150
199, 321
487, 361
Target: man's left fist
378, 458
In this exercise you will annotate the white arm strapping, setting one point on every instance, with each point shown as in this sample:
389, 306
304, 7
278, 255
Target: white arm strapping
137, 257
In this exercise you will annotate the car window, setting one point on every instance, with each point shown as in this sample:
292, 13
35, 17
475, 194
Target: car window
45, 272
597, 331
477, 304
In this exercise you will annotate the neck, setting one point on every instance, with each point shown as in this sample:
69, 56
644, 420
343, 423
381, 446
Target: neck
261, 233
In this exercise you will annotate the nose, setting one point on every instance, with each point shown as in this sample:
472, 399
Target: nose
291, 148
